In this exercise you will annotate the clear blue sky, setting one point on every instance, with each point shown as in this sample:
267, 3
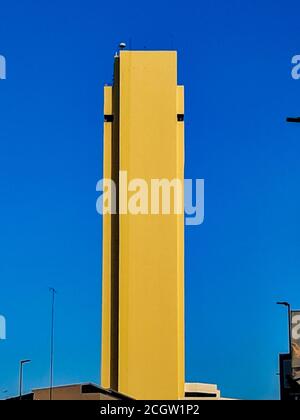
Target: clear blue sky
235, 61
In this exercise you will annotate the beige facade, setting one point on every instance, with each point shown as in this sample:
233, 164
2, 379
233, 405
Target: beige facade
198, 391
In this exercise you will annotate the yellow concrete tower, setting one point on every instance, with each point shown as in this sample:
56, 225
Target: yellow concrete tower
143, 255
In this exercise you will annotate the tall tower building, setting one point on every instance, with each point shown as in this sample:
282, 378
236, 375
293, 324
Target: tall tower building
143, 255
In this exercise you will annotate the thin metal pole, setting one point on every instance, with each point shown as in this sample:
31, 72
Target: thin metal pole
22, 363
53, 292
288, 306
290, 328
21, 381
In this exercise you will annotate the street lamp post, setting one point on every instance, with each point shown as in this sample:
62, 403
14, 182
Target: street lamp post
297, 121
22, 363
288, 306
293, 120
53, 293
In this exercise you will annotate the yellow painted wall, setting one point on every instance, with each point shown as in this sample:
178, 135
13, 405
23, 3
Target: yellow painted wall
151, 272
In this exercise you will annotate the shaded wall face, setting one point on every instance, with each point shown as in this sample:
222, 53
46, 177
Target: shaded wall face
72, 393
68, 393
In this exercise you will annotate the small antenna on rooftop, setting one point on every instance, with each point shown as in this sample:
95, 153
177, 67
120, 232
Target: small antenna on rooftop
122, 46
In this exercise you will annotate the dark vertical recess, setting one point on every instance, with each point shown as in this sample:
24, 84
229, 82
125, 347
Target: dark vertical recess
115, 223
